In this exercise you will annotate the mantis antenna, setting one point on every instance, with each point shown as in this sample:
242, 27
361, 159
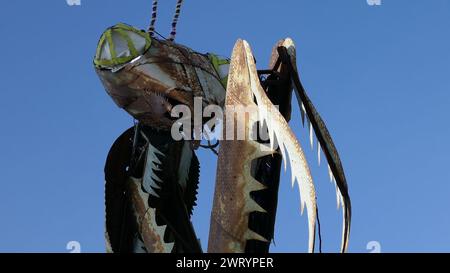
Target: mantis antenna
175, 20
151, 28
173, 33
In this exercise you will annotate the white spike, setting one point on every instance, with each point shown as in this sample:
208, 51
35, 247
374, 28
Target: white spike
145, 137
154, 185
341, 199
254, 185
330, 173
338, 194
302, 207
272, 137
251, 235
150, 178
155, 167
293, 177
284, 136
303, 113
262, 149
318, 151
150, 218
311, 140
155, 177
155, 150
283, 155
152, 152
151, 191
252, 206
338, 199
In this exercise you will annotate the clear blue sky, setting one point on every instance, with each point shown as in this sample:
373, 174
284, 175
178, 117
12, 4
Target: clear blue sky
380, 77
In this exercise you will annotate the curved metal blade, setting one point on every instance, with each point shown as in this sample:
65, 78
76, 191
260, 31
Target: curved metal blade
119, 235
289, 146
326, 144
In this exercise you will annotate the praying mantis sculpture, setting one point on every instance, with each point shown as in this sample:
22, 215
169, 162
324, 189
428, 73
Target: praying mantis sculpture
152, 178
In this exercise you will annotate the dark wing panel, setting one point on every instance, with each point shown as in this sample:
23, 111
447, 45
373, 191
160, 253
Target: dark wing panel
171, 207
326, 144
119, 224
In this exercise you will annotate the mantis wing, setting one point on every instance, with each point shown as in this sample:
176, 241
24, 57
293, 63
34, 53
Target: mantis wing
150, 194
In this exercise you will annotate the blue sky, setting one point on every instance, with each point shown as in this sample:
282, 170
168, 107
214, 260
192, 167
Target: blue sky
379, 75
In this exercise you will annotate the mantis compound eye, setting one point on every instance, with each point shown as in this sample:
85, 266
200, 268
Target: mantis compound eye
119, 45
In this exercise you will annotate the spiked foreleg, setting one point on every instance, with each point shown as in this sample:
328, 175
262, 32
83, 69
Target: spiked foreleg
150, 232
130, 222
282, 136
268, 168
151, 186
233, 202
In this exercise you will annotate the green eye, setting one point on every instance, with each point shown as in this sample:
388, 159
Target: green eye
119, 45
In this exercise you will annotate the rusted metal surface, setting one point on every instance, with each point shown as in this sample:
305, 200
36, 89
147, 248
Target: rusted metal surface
233, 202
289, 147
128, 215
168, 74
229, 229
151, 233
155, 214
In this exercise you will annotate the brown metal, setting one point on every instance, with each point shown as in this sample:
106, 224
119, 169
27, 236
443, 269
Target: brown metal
128, 215
166, 75
232, 205
151, 233
245, 198
236, 191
